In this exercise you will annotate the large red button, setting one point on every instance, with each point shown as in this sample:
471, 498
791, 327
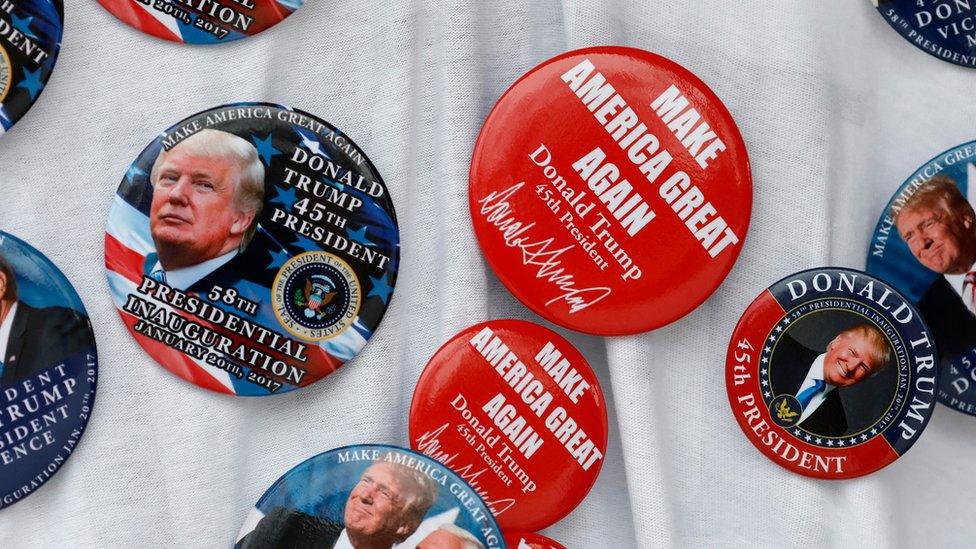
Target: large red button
610, 190
516, 411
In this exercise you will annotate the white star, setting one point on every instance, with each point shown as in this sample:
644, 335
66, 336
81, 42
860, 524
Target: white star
767, 349
786, 320
779, 329
312, 145
796, 432
852, 441
765, 382
772, 338
765, 360
807, 438
830, 443
864, 437
874, 431
768, 394
840, 442
818, 440
763, 371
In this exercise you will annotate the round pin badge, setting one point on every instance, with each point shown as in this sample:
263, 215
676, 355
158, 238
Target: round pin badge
252, 249
48, 369
201, 21
831, 373
925, 246
30, 37
514, 409
518, 540
942, 28
370, 496
610, 190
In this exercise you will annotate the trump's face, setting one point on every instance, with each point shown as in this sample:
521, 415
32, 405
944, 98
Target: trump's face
939, 240
193, 216
850, 359
375, 507
439, 539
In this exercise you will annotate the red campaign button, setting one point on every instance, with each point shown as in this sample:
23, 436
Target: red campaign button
610, 190
831, 373
519, 540
516, 411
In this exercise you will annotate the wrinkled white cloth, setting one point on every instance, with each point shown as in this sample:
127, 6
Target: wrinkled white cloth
836, 109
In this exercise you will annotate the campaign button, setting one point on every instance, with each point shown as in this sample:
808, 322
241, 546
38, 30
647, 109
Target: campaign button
370, 496
831, 373
252, 249
48, 369
519, 540
925, 246
942, 28
201, 21
30, 37
610, 190
514, 409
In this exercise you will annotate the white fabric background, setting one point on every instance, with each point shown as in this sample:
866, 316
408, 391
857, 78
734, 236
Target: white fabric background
836, 110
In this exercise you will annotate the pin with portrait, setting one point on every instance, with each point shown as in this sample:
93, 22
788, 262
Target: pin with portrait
252, 249
30, 38
370, 497
831, 373
610, 190
519, 402
48, 369
201, 21
925, 246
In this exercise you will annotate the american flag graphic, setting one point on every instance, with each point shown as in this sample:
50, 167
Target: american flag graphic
130, 255
40, 24
149, 19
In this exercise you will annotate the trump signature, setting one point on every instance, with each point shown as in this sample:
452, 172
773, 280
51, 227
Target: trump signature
429, 444
498, 211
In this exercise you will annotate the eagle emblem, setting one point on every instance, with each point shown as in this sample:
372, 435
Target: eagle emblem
317, 293
784, 412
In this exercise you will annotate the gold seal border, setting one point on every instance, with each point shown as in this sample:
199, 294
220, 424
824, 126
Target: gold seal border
10, 69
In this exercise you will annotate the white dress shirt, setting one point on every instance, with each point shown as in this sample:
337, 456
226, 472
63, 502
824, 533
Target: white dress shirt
8, 324
343, 541
816, 372
181, 279
958, 282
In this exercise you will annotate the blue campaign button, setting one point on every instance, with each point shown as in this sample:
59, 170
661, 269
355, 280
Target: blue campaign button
30, 37
48, 369
370, 496
925, 245
943, 28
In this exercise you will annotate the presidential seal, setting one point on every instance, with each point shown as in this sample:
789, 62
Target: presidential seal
5, 74
316, 296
